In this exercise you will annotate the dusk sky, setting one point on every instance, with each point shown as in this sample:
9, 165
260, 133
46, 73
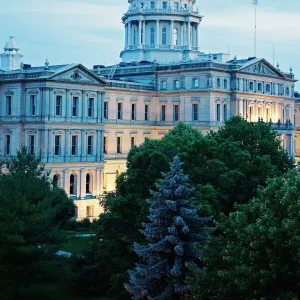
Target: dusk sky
90, 31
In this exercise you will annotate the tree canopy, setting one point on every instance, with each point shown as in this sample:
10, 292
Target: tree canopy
32, 217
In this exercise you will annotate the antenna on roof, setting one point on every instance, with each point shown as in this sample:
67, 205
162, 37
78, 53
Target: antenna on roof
273, 55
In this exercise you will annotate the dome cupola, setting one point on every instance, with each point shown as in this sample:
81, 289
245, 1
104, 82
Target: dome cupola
161, 30
11, 60
11, 45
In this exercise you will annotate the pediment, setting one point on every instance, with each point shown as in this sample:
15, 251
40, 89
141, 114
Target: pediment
262, 67
77, 74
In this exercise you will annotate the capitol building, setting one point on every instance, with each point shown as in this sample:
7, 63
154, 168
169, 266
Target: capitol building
82, 122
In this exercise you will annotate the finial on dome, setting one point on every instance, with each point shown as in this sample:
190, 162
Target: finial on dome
234, 59
46, 64
277, 66
291, 70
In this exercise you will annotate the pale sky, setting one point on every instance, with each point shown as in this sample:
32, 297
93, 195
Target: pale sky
90, 31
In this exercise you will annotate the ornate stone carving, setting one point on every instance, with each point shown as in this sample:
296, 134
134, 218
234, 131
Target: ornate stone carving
259, 68
76, 76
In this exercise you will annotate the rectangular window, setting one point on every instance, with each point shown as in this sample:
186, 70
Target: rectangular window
105, 140
218, 83
195, 112
268, 114
251, 113
133, 111
31, 144
195, 82
251, 86
163, 85
74, 106
259, 87
176, 84
176, 4
176, 113
32, 104
57, 140
7, 144
106, 110
225, 84
259, 112
152, 5
225, 112
119, 145
132, 141
119, 111
163, 113
146, 112
218, 112
74, 144
90, 145
58, 105
91, 107
8, 105
164, 4
268, 88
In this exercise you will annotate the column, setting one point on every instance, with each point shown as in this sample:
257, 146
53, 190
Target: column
276, 112
241, 107
171, 33
189, 35
68, 100
140, 33
98, 189
81, 185
144, 41
182, 34
128, 34
157, 34
197, 36
66, 181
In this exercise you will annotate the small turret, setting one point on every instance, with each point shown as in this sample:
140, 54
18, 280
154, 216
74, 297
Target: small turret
11, 60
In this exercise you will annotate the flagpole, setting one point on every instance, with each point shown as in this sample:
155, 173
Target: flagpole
255, 22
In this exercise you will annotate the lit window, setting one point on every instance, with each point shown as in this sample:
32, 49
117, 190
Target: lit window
195, 112
175, 37
31, 144
90, 145
74, 145
57, 143
163, 113
91, 107
251, 113
119, 111
176, 113
58, 105
33, 104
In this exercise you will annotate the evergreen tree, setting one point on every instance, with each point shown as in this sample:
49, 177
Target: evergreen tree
174, 229
32, 217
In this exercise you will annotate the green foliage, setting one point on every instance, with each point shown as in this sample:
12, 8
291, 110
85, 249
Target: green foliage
32, 218
226, 167
256, 255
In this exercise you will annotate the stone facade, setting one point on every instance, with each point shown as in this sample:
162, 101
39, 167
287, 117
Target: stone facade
82, 123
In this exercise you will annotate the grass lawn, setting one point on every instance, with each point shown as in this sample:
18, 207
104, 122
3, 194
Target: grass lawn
77, 243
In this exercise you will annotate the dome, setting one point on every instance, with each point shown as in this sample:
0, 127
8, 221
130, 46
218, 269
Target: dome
11, 45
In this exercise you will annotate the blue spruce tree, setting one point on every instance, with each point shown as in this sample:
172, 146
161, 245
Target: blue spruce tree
173, 232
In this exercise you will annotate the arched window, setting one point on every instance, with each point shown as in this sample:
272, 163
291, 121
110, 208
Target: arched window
152, 36
73, 179
164, 36
88, 183
55, 181
175, 37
